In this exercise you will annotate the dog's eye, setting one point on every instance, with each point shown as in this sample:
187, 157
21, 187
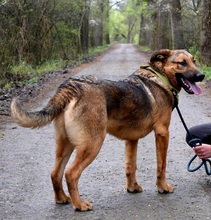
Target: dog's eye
183, 63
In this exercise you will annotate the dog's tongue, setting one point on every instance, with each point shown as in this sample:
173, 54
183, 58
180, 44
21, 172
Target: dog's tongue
196, 89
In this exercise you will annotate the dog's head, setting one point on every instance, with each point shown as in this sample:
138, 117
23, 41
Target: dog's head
180, 69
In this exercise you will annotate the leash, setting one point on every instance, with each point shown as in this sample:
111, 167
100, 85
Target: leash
193, 143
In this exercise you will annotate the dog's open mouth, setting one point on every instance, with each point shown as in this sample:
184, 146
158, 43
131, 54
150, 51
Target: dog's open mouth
190, 87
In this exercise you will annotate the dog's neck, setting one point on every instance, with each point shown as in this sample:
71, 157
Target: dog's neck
174, 91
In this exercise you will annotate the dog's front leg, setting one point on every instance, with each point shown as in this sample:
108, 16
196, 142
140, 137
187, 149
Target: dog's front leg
162, 139
130, 166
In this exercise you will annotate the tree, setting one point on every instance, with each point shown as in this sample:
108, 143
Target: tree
205, 49
176, 24
99, 22
118, 28
191, 17
162, 30
147, 24
84, 27
125, 21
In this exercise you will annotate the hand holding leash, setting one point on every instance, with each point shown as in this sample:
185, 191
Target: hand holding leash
203, 151
194, 142
206, 162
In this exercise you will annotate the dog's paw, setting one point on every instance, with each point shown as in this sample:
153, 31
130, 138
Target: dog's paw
84, 206
165, 189
63, 200
134, 188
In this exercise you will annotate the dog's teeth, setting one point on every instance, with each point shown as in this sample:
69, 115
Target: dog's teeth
187, 85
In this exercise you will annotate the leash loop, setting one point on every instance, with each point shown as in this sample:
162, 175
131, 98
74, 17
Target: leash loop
195, 142
190, 162
207, 163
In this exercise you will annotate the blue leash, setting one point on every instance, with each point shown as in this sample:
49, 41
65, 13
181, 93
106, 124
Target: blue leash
193, 143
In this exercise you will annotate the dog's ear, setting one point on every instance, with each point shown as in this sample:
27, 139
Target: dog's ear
160, 56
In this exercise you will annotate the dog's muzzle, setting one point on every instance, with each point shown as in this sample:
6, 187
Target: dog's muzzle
198, 77
189, 83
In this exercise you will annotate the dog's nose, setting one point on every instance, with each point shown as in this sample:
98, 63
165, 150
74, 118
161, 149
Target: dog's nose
200, 76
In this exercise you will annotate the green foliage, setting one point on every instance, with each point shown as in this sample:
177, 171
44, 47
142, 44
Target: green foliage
118, 29
207, 71
24, 73
32, 80
50, 66
125, 21
136, 39
23, 68
7, 85
97, 50
145, 49
34, 32
194, 51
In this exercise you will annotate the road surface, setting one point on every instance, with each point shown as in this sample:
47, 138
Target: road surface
27, 157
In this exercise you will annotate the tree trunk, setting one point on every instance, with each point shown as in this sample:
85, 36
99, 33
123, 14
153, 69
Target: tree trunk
84, 30
162, 29
176, 24
141, 31
99, 28
106, 22
103, 27
205, 47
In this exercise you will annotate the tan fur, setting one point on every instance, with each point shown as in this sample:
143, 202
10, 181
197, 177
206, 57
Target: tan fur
85, 109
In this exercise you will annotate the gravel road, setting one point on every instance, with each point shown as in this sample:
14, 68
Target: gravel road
27, 157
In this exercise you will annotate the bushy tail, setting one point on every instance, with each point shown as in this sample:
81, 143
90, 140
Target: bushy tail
69, 90
37, 119
34, 119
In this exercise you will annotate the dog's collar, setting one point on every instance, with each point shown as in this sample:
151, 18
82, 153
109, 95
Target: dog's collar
166, 81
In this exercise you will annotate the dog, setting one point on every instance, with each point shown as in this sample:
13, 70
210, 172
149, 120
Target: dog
85, 109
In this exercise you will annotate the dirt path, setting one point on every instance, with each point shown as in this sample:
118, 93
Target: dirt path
27, 157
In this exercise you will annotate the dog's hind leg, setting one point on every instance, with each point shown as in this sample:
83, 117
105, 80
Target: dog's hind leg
63, 151
162, 139
130, 166
85, 154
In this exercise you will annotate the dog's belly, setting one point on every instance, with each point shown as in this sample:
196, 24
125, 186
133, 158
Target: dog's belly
128, 131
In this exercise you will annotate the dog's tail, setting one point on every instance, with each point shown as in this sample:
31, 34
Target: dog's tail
36, 119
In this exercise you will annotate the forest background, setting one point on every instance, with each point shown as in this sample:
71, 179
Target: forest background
44, 35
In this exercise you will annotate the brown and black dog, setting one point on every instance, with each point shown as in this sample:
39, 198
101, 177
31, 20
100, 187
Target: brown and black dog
84, 109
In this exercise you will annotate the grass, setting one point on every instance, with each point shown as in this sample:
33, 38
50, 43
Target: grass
27, 69
24, 73
96, 50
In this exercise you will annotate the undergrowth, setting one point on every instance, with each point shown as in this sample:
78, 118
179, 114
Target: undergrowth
23, 73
